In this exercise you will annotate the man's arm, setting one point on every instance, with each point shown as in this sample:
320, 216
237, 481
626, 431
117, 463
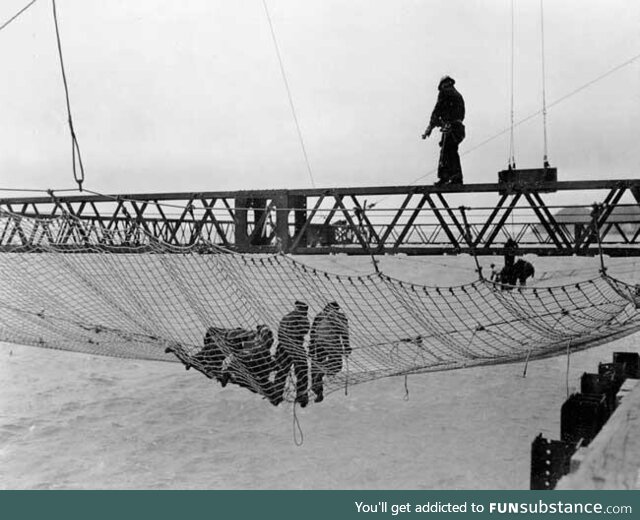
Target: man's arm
436, 116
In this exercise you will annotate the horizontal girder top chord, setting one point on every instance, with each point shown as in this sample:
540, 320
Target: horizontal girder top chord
367, 190
414, 220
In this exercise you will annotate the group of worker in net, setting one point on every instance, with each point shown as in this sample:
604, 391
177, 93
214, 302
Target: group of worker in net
246, 357
305, 353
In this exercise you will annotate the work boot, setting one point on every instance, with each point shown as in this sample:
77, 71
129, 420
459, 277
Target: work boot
224, 379
275, 400
273, 396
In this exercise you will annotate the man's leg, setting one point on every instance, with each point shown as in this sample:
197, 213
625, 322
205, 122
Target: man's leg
301, 369
443, 175
456, 177
316, 380
453, 168
283, 365
458, 133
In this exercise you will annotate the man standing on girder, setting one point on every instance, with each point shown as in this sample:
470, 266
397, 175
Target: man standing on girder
448, 115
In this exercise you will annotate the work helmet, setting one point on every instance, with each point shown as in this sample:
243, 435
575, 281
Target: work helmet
446, 80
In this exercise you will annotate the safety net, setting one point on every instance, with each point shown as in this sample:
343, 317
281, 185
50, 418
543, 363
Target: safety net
274, 325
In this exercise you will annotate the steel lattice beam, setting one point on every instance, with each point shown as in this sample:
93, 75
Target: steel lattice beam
417, 220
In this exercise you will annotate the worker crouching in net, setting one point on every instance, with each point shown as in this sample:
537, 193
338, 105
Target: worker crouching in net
328, 344
291, 352
448, 115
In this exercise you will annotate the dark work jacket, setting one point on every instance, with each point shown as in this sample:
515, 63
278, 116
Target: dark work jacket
449, 107
293, 328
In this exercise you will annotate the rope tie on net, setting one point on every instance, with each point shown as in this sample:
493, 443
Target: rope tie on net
298, 435
346, 379
567, 369
406, 387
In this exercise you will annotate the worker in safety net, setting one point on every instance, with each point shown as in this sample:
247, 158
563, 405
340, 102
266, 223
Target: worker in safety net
328, 344
448, 115
291, 352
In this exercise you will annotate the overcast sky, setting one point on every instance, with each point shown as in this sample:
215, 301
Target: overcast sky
171, 95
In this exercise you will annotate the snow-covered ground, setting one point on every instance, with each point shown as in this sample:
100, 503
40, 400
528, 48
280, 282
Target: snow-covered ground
77, 421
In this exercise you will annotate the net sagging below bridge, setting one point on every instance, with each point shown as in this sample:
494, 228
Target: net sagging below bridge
160, 304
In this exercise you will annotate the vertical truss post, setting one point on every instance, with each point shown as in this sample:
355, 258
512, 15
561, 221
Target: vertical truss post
283, 207
595, 215
240, 217
300, 233
299, 205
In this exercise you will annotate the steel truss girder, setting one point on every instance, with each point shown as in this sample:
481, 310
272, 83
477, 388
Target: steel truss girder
421, 220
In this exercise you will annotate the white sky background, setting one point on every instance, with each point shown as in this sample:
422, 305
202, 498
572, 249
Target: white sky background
188, 96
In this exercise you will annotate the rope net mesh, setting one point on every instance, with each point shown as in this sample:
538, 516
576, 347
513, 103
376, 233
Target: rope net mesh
276, 326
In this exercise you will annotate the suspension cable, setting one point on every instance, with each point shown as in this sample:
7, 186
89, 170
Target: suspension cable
17, 14
544, 101
78, 173
286, 85
512, 160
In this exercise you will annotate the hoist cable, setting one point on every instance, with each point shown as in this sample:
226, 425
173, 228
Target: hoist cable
544, 89
17, 14
78, 173
534, 114
286, 85
512, 160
